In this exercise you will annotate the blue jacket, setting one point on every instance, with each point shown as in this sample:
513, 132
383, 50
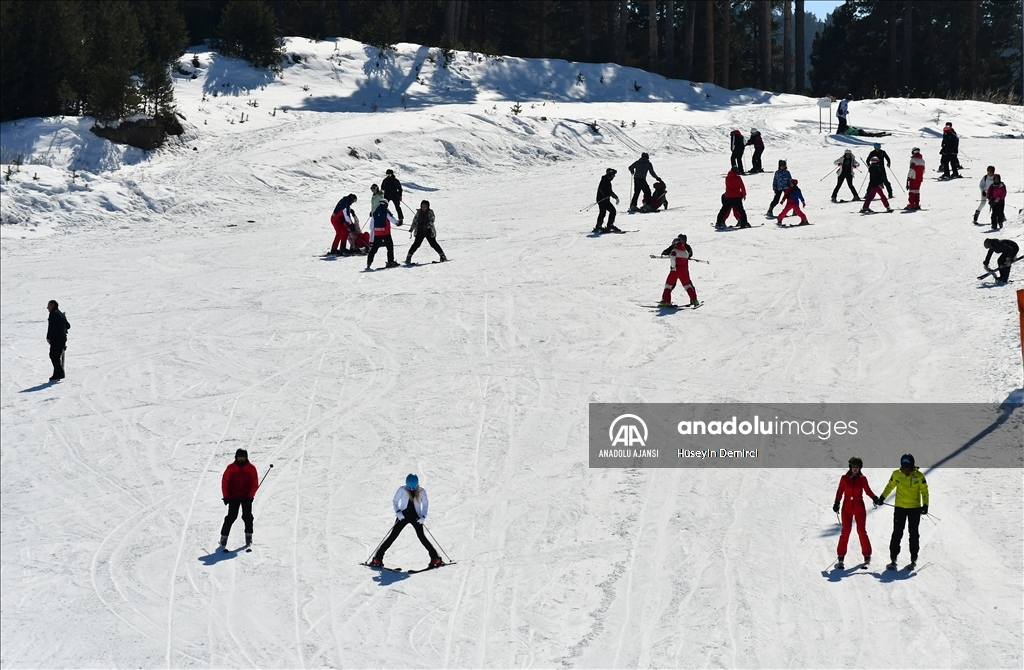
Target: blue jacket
781, 181
794, 195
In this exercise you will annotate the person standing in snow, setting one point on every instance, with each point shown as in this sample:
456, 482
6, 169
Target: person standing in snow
911, 502
410, 504
997, 201
780, 182
956, 158
949, 151
380, 235
423, 229
847, 164
639, 170
850, 496
1007, 250
879, 153
680, 254
341, 219
57, 328
914, 178
375, 198
737, 145
841, 114
604, 206
876, 177
793, 199
238, 487
986, 181
758, 144
732, 199
392, 189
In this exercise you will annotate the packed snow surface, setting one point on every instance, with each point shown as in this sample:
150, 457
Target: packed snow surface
204, 319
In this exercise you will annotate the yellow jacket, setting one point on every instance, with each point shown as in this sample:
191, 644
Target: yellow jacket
911, 490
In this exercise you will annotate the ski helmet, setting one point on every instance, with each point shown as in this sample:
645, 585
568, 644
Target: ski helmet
990, 168
412, 482
610, 172
877, 145
644, 156
915, 150
856, 460
241, 453
906, 459
793, 182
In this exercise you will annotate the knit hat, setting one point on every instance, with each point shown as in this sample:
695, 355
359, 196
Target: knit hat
242, 453
610, 171
793, 182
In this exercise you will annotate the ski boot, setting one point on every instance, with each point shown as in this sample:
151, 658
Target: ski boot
892, 565
376, 562
436, 562
597, 229
443, 259
665, 303
248, 539
889, 209
612, 229
408, 260
839, 563
976, 218
856, 198
834, 201
223, 544
391, 264
695, 303
867, 561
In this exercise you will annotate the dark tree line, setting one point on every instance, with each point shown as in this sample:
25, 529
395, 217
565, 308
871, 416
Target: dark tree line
109, 58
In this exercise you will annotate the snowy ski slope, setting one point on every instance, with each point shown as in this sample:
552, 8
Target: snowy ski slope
204, 320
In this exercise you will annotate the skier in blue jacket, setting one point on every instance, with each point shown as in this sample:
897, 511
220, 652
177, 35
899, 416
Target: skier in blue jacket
779, 184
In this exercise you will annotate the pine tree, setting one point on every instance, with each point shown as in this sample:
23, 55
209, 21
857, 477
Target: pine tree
249, 30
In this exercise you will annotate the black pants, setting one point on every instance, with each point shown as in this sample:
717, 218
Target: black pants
605, 207
398, 207
397, 529
233, 505
1004, 274
638, 187
423, 233
848, 178
949, 160
57, 358
378, 242
842, 125
755, 162
900, 516
737, 161
998, 218
775, 200
732, 203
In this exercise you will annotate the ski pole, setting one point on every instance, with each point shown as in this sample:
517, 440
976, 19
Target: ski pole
831, 171
382, 541
894, 178
594, 203
695, 260
265, 476
434, 540
837, 520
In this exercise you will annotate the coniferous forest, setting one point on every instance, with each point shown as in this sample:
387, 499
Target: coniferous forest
113, 58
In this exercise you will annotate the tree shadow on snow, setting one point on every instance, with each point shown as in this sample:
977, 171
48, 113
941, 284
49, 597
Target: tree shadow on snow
40, 387
217, 556
1010, 408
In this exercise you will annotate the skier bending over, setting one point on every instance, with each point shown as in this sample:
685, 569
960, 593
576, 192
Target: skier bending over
911, 502
793, 199
423, 228
876, 179
639, 170
986, 181
732, 199
780, 182
914, 178
758, 144
1007, 250
847, 164
852, 487
604, 206
680, 254
410, 503
997, 201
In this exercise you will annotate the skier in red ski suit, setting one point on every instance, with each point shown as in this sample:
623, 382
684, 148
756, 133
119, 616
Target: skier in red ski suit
852, 486
914, 178
680, 254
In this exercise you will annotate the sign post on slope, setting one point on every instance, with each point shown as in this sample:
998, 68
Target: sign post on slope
824, 103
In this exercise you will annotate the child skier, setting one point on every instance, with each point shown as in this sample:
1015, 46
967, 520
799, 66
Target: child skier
679, 253
381, 235
410, 504
878, 152
847, 164
985, 182
876, 180
850, 494
423, 228
914, 178
997, 201
793, 199
732, 200
779, 184
657, 199
639, 170
758, 144
605, 194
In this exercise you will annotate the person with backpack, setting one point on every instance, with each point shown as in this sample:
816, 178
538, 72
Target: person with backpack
879, 153
423, 229
1007, 250
915, 176
780, 182
342, 220
737, 146
850, 498
876, 177
639, 170
604, 206
986, 181
392, 189
238, 487
381, 235
732, 200
949, 153
847, 164
680, 254
910, 503
841, 113
997, 201
411, 506
758, 144
794, 198
57, 328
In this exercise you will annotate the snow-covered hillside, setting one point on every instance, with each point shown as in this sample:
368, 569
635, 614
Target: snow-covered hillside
204, 319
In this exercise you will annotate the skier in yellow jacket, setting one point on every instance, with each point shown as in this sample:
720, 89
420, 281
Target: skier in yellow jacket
911, 502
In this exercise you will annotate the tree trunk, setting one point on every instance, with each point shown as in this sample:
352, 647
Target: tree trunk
908, 40
652, 34
588, 29
464, 22
972, 49
709, 41
798, 17
766, 44
321, 18
894, 81
726, 35
787, 46
670, 42
449, 19
689, 20
543, 29
623, 24
481, 22
403, 19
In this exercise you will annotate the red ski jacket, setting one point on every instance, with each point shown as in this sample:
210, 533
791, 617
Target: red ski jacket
734, 187
851, 490
239, 482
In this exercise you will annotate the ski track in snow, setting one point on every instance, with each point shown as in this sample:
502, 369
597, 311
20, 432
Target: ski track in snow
204, 320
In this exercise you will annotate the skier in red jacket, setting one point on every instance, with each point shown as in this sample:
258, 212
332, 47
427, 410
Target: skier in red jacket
914, 178
238, 488
735, 193
680, 253
852, 487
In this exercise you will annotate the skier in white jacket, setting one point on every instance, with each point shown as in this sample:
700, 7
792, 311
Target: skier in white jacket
410, 503
986, 181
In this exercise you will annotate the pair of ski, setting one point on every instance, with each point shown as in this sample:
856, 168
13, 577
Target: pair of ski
617, 231
408, 572
753, 225
1001, 267
674, 307
871, 211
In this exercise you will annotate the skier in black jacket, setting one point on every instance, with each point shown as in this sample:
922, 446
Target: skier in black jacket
392, 189
57, 327
738, 143
1007, 250
879, 153
639, 170
948, 152
604, 195
847, 164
